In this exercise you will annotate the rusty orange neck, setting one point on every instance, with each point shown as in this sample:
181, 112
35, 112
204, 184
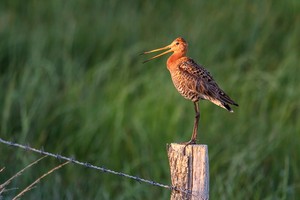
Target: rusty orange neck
171, 62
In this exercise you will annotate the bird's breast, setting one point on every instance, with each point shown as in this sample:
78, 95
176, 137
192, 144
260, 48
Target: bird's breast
185, 85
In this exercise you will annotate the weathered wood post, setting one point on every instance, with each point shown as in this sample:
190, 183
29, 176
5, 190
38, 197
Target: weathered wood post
189, 168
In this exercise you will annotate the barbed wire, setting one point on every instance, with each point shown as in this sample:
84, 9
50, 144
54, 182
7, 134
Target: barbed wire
89, 165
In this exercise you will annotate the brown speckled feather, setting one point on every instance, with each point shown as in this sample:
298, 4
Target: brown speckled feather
194, 82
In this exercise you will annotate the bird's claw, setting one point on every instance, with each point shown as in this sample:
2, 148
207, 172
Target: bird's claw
192, 141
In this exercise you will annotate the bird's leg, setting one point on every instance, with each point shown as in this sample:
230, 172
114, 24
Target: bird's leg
196, 121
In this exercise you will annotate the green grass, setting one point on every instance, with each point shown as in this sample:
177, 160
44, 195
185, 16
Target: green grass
72, 82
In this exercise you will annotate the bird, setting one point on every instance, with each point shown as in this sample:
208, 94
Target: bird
192, 81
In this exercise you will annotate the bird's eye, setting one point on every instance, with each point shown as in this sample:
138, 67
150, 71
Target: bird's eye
177, 43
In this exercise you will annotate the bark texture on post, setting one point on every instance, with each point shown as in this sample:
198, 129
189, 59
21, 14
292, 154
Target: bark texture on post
189, 168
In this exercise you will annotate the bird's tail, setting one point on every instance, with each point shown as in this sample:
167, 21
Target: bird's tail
224, 103
227, 107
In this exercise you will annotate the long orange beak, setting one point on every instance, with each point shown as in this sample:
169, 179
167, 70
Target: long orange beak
155, 50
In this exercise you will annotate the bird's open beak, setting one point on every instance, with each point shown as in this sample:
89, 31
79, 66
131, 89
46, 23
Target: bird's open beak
155, 50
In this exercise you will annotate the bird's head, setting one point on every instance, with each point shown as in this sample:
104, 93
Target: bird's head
179, 45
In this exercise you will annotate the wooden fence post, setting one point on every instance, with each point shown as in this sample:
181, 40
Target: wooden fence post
189, 168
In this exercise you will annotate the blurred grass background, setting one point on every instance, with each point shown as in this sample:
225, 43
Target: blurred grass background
72, 82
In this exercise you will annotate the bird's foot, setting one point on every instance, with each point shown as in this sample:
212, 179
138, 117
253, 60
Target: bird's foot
192, 141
